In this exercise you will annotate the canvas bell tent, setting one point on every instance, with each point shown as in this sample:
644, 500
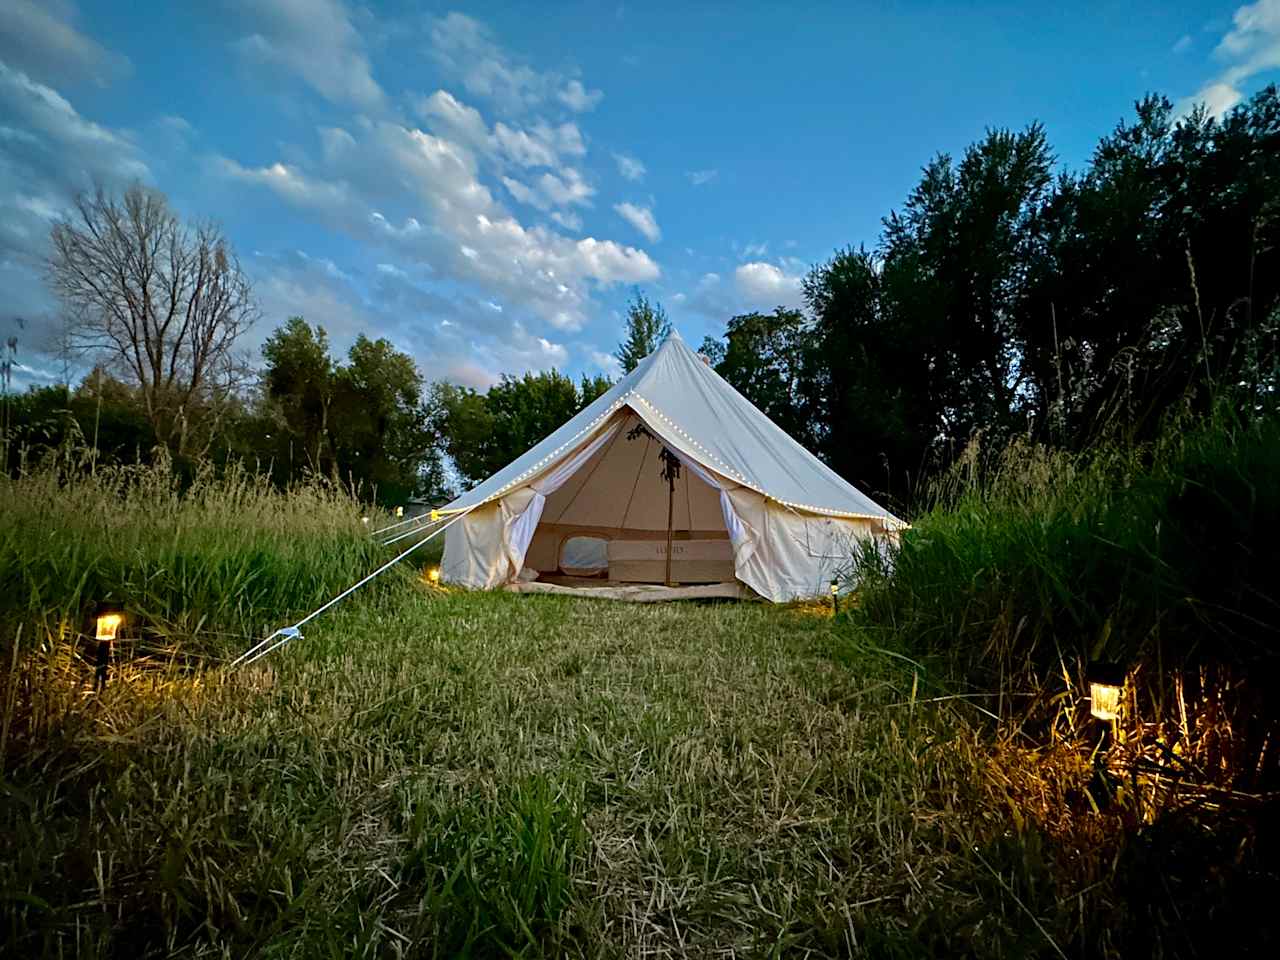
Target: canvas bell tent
670, 477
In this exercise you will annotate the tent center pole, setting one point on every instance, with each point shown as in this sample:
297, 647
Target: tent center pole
671, 502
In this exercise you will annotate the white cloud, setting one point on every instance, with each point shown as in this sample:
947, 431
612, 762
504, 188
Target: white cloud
702, 177
567, 219
450, 220
523, 148
1183, 44
459, 338
1250, 47
1217, 98
450, 117
765, 285
1253, 42
578, 98
316, 40
40, 39
539, 145
606, 362
294, 185
551, 190
48, 152
465, 49
641, 218
631, 168
45, 116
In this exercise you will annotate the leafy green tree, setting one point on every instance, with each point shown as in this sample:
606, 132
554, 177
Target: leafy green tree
367, 422
768, 359
1157, 282
486, 431
592, 387
300, 379
102, 413
964, 239
384, 435
647, 327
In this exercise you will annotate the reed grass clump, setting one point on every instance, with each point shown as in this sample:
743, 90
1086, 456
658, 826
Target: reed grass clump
206, 562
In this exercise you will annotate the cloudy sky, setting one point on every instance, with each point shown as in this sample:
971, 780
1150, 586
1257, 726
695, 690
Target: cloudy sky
485, 186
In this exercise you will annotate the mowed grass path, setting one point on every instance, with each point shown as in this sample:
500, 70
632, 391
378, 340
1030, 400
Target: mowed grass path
446, 774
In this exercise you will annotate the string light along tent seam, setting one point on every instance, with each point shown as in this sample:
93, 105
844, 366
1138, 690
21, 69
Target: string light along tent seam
511, 485
721, 466
257, 651
754, 464
732, 474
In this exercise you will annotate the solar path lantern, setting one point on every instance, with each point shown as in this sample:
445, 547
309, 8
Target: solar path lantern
107, 619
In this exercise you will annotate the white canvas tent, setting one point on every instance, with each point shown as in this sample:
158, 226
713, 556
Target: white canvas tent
783, 519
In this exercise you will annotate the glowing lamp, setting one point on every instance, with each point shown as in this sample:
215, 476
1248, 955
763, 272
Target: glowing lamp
399, 512
365, 521
835, 596
434, 575
435, 515
835, 587
107, 622
1106, 685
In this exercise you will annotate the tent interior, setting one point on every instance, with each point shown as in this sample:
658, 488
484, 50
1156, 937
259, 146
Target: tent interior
608, 521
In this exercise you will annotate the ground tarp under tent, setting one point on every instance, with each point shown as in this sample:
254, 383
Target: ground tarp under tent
671, 477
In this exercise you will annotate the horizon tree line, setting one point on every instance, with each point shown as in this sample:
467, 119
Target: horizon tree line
1002, 299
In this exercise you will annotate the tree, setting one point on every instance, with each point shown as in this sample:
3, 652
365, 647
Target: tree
486, 431
768, 359
966, 235
383, 430
163, 300
368, 422
300, 379
592, 387
647, 327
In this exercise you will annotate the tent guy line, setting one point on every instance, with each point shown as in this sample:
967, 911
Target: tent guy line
256, 652
739, 527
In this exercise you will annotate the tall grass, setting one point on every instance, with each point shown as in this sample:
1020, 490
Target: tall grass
1032, 562
208, 561
1161, 558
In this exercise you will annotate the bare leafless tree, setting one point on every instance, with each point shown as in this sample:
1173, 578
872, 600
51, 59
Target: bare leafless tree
162, 299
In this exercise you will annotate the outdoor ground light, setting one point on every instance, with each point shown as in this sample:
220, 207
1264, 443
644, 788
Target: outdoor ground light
835, 596
107, 620
399, 512
434, 575
365, 521
1106, 684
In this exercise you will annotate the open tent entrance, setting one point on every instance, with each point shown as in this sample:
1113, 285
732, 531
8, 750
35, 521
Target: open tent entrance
608, 521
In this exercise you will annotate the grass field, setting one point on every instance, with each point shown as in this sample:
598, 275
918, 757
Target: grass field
437, 773
447, 774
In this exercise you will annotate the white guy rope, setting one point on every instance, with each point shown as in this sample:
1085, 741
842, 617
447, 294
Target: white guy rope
412, 530
257, 651
398, 523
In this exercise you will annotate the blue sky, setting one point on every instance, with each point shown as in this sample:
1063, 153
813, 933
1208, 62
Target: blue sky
485, 186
